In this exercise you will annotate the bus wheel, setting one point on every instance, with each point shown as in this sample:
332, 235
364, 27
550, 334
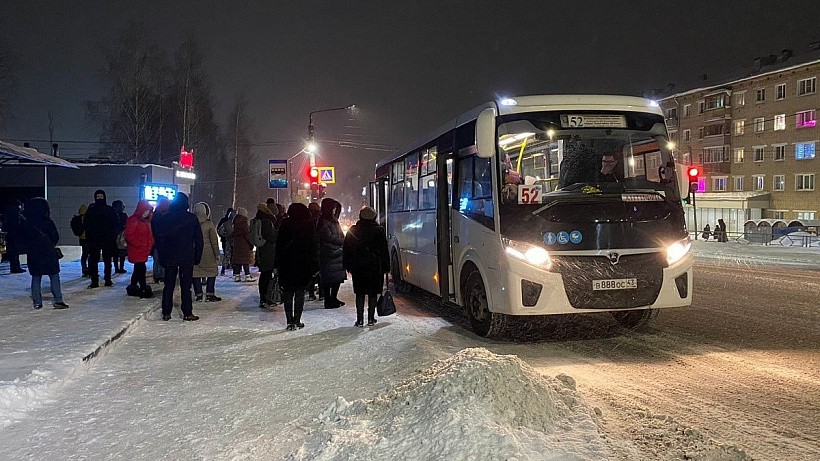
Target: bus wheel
635, 320
395, 273
485, 323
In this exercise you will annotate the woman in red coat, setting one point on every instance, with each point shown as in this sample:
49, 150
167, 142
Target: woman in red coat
140, 242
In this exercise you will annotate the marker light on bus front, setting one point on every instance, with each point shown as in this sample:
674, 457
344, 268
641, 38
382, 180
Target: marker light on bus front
531, 254
676, 251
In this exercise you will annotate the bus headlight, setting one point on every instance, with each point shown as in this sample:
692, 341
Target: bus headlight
676, 251
531, 254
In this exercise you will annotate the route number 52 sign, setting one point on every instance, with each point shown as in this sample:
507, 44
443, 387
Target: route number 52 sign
529, 194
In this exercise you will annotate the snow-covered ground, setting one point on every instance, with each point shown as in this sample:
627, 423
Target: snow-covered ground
235, 385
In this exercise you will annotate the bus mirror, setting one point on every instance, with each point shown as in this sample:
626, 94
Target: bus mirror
485, 133
658, 129
683, 179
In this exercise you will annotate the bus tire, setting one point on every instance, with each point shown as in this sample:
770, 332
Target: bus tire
635, 320
395, 273
474, 295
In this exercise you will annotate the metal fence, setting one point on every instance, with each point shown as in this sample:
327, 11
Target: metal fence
768, 238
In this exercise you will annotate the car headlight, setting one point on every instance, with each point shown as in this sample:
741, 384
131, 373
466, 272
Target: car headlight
676, 251
531, 254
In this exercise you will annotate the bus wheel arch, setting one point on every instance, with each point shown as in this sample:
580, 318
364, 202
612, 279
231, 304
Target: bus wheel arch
399, 285
476, 304
637, 320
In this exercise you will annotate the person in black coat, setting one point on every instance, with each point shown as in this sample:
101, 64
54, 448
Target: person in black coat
121, 253
101, 235
41, 238
316, 280
178, 240
296, 260
265, 255
12, 226
331, 240
366, 258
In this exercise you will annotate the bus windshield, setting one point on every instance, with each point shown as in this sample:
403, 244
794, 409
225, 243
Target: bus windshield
581, 157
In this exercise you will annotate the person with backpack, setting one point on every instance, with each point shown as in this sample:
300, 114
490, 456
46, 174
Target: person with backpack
78, 229
140, 240
205, 272
225, 231
242, 253
40, 239
296, 259
263, 228
331, 239
122, 249
366, 258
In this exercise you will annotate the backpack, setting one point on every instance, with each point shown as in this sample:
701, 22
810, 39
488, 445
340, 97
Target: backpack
256, 233
225, 229
77, 225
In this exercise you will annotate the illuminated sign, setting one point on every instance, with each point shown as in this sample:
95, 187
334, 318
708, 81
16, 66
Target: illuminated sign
152, 192
186, 158
278, 178
185, 175
327, 174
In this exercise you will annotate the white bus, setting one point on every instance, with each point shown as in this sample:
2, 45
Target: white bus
541, 205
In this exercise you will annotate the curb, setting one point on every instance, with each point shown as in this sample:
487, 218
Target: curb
110, 341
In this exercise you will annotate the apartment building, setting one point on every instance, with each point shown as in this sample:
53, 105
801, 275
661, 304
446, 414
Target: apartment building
755, 140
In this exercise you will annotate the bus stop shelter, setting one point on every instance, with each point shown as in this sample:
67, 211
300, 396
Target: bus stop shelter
13, 155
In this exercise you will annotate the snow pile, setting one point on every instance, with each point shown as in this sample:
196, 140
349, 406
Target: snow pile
474, 405
20, 396
798, 239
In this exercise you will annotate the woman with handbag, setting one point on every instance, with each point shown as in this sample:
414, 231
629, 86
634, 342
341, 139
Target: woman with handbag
366, 258
43, 256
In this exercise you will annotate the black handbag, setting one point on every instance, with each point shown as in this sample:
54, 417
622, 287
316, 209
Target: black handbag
59, 252
385, 305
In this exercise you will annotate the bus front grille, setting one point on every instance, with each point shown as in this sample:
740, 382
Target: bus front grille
578, 273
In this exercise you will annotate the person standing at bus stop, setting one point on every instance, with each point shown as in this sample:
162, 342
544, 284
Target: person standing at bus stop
296, 260
12, 225
331, 240
101, 231
366, 257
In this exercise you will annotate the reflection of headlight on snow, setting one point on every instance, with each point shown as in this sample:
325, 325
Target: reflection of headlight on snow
532, 254
676, 251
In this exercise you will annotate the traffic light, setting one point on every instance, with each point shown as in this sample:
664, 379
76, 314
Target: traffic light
692, 173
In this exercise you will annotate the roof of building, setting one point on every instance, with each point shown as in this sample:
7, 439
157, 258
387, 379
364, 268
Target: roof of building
13, 155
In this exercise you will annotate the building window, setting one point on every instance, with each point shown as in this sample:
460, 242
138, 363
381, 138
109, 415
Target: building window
760, 124
714, 102
673, 135
740, 127
758, 181
700, 133
740, 99
806, 86
759, 153
700, 107
780, 152
806, 119
779, 122
806, 215
804, 182
760, 95
672, 113
739, 154
719, 184
687, 135
713, 154
778, 215
738, 183
779, 182
804, 151
780, 91
687, 110
713, 130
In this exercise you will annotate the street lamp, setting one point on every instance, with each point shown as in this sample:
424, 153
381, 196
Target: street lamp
311, 146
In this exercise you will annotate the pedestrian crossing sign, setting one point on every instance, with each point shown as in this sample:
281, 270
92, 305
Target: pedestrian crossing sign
327, 174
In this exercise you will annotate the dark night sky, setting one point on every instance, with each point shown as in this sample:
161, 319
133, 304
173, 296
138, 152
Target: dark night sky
409, 66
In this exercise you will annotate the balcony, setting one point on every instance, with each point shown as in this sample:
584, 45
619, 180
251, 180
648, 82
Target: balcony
717, 168
672, 122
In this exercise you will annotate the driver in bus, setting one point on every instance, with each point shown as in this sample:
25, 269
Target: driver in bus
608, 164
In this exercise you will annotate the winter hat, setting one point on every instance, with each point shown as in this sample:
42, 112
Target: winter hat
263, 208
202, 208
242, 212
98, 192
367, 213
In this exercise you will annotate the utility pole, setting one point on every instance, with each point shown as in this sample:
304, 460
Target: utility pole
235, 156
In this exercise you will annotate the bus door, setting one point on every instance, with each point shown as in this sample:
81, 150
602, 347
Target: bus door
378, 199
443, 216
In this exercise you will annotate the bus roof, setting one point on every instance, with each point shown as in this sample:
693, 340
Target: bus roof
534, 104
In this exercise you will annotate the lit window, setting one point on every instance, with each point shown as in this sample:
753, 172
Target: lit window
759, 181
806, 215
804, 182
740, 99
739, 154
806, 86
740, 127
760, 124
779, 182
804, 151
806, 119
779, 122
780, 91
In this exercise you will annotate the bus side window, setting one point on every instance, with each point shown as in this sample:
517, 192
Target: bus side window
397, 186
475, 190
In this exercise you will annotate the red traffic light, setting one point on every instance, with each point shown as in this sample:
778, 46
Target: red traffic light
314, 173
693, 172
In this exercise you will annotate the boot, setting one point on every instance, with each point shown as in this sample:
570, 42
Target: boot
212, 298
95, 283
146, 293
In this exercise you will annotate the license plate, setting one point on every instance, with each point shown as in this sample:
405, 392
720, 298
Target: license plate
615, 284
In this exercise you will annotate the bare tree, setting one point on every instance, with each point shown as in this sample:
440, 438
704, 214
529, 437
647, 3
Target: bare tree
248, 170
130, 114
